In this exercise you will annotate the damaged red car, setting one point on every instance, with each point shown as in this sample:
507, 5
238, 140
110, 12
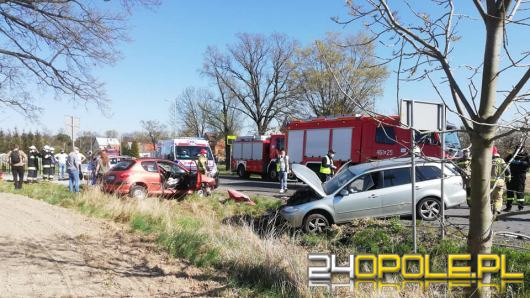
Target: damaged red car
140, 178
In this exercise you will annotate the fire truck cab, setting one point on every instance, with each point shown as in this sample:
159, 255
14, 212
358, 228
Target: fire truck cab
184, 151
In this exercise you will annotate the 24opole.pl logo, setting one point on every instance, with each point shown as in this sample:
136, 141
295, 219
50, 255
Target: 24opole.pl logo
369, 269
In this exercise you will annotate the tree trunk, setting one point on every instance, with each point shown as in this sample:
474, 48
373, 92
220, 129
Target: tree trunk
480, 235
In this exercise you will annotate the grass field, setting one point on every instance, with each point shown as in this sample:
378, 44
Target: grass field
249, 244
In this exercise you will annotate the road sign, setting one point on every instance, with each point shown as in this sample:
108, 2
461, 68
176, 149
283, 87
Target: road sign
427, 115
230, 139
421, 115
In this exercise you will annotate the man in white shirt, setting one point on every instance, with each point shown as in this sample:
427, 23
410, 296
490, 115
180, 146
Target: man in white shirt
61, 160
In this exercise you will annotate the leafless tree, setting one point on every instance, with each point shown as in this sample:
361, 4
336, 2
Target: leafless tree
423, 43
255, 70
224, 118
190, 112
353, 58
52, 45
154, 131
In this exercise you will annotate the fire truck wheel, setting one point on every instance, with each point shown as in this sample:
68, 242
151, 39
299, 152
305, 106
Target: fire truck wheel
241, 172
273, 175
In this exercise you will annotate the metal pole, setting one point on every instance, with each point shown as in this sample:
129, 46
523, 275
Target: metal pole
72, 131
413, 173
442, 140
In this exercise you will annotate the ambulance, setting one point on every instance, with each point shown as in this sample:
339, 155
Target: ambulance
185, 151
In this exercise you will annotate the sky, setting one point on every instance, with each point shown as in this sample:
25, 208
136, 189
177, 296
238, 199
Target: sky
166, 50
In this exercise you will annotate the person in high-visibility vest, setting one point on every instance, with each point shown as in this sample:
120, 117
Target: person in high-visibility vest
327, 168
282, 168
499, 174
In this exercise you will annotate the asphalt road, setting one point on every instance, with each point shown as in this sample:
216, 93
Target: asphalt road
255, 185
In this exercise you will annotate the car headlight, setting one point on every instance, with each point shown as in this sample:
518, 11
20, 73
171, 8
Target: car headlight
290, 209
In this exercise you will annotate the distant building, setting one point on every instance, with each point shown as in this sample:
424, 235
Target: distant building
216, 144
146, 149
111, 145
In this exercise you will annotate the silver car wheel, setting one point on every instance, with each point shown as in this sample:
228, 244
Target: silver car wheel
317, 224
430, 209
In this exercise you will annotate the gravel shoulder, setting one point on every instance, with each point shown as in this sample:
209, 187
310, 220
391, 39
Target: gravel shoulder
48, 251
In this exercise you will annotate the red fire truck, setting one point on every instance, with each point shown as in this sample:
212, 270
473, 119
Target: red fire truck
256, 155
353, 138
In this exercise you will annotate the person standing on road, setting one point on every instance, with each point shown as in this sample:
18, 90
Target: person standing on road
61, 160
102, 165
73, 162
499, 174
17, 160
33, 164
282, 168
464, 166
518, 168
327, 167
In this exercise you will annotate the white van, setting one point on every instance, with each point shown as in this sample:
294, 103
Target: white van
185, 151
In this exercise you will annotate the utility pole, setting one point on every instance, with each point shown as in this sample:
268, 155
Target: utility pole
72, 125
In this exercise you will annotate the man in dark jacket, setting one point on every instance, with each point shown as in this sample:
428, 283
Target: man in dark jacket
17, 160
515, 188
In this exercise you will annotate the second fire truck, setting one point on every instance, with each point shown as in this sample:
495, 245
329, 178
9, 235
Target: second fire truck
356, 139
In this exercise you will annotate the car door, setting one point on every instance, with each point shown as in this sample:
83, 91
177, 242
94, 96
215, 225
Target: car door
151, 177
174, 171
396, 192
363, 198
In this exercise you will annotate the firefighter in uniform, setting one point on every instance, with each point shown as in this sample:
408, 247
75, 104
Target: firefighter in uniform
33, 164
464, 166
499, 173
327, 168
46, 163
202, 162
52, 164
515, 188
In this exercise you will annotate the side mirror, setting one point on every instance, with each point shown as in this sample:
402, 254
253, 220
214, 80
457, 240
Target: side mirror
344, 192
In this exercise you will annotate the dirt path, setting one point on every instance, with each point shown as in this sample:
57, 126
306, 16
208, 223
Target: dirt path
48, 251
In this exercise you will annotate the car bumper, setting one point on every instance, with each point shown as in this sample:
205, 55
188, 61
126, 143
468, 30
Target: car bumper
295, 218
456, 199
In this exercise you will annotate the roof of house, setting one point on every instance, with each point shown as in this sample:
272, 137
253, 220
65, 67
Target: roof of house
107, 141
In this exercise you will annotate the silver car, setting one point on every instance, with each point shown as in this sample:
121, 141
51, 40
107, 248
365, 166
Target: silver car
375, 189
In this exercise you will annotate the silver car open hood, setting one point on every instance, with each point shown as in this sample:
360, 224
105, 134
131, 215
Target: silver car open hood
308, 177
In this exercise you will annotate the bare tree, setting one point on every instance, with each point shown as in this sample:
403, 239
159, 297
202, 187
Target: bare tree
54, 44
223, 115
154, 131
352, 57
256, 70
423, 44
190, 112
111, 133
